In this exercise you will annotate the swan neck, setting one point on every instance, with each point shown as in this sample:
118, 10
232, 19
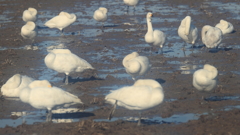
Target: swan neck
149, 25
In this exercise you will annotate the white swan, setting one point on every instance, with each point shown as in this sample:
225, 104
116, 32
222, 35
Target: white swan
45, 96
136, 65
156, 37
211, 36
143, 95
225, 26
187, 31
131, 3
61, 21
63, 61
29, 31
29, 15
15, 84
100, 15
205, 79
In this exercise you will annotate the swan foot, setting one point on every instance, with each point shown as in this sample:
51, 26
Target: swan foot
112, 111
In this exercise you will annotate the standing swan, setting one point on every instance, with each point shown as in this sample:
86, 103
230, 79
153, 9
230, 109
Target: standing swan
131, 3
143, 95
15, 84
29, 31
100, 15
64, 61
187, 31
225, 26
29, 15
136, 65
155, 37
211, 36
47, 97
61, 21
205, 79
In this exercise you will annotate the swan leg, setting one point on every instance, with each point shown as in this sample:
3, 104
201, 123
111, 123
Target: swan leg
66, 79
49, 116
112, 111
139, 120
62, 33
160, 50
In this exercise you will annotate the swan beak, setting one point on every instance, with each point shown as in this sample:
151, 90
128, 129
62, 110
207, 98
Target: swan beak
151, 15
49, 86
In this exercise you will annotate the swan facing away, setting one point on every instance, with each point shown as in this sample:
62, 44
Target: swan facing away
205, 79
131, 3
15, 84
100, 15
29, 31
136, 65
64, 61
41, 95
187, 31
29, 15
225, 26
142, 95
155, 37
211, 36
61, 21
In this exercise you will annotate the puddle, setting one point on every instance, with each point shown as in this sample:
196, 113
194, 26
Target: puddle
176, 118
217, 98
59, 116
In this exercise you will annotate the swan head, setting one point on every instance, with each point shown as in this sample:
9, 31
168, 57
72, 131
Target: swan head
211, 69
129, 57
103, 9
39, 83
33, 10
149, 15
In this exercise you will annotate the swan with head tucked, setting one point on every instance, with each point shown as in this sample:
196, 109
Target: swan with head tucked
187, 31
61, 21
225, 26
64, 61
131, 3
155, 37
211, 36
100, 15
41, 95
29, 15
29, 31
205, 79
142, 95
136, 65
15, 84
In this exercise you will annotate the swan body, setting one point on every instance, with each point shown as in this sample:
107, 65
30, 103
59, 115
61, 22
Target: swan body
29, 15
100, 15
205, 79
131, 2
187, 31
211, 36
15, 84
64, 61
61, 21
136, 65
28, 31
155, 37
44, 96
142, 95
225, 26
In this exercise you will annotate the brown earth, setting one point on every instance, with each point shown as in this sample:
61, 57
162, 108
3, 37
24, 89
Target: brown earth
176, 85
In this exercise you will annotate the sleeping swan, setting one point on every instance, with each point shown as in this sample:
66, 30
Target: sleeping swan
29, 15
225, 26
211, 36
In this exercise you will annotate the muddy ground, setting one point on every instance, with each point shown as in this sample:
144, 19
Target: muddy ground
105, 51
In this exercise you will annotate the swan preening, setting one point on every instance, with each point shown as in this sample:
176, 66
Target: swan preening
136, 65
211, 36
187, 31
100, 15
155, 37
29, 15
225, 26
205, 79
15, 84
131, 3
61, 21
142, 95
29, 31
41, 95
64, 61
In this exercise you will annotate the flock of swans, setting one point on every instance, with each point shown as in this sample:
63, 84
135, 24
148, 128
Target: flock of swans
142, 95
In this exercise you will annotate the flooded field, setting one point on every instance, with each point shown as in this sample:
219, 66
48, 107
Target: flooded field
184, 109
